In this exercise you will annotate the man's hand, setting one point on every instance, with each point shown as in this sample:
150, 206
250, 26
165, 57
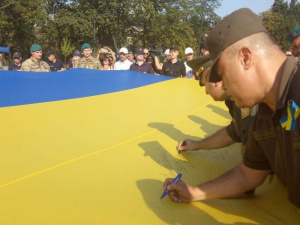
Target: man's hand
180, 191
187, 145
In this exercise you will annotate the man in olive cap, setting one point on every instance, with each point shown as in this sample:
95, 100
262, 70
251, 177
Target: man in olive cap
88, 61
236, 131
294, 39
254, 70
35, 62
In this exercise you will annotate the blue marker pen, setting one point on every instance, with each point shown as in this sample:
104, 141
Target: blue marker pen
175, 180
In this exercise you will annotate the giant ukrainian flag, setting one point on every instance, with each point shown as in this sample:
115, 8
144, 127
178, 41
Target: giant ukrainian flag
94, 147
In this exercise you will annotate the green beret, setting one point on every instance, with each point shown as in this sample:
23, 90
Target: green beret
85, 46
199, 65
294, 34
35, 47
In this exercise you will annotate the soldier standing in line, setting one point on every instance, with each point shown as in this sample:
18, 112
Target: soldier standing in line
34, 63
88, 61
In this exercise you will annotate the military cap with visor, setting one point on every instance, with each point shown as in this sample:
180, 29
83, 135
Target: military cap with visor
199, 65
234, 27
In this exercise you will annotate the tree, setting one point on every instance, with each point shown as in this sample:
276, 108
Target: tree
66, 49
281, 19
19, 23
118, 23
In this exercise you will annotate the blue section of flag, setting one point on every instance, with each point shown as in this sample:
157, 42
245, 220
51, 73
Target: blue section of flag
19, 88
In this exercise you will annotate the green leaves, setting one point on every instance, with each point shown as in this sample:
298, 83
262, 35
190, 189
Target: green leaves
66, 48
117, 23
281, 19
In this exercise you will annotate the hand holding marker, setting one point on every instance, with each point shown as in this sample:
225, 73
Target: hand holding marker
175, 180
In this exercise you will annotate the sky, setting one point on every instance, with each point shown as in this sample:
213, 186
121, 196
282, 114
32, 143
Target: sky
257, 6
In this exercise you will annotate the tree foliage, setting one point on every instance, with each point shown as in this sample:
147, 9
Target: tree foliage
66, 48
281, 19
114, 23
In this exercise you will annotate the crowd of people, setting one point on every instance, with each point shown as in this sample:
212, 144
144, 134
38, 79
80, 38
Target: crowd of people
141, 60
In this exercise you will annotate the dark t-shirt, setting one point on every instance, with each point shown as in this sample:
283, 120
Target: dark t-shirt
272, 147
58, 65
14, 67
144, 68
174, 69
70, 64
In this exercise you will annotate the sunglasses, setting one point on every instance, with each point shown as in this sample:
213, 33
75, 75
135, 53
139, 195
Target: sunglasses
146, 53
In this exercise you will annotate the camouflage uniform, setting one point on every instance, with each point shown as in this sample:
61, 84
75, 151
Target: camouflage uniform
32, 64
90, 63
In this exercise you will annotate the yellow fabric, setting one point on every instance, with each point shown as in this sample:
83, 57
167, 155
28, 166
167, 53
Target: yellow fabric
103, 159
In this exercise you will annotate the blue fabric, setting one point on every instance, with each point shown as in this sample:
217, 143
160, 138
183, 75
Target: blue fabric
19, 88
4, 49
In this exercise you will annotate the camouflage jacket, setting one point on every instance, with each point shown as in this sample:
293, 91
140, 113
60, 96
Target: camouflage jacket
90, 63
32, 64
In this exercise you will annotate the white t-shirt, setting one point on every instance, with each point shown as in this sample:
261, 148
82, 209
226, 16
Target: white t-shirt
189, 71
122, 65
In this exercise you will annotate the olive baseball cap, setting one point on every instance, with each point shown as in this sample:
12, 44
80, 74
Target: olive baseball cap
35, 47
199, 65
234, 27
294, 34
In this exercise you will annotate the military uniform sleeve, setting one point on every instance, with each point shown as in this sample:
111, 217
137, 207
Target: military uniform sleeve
99, 66
44, 66
25, 66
